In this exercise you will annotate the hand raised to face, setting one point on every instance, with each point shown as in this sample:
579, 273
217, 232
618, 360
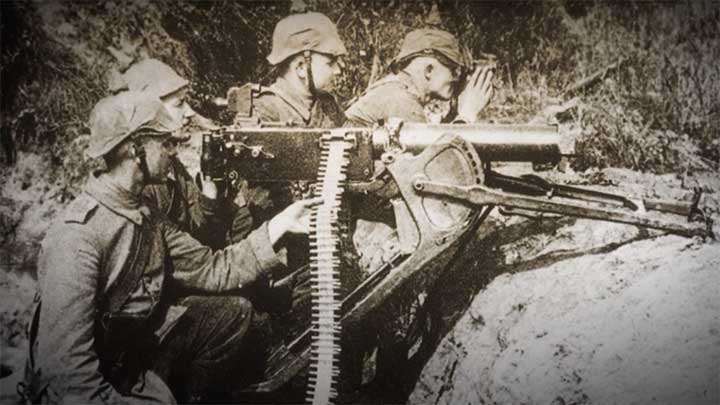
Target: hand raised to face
476, 95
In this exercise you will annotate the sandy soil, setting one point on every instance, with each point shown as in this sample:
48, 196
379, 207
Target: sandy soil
640, 324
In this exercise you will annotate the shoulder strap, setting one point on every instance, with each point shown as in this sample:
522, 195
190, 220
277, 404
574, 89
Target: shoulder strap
132, 270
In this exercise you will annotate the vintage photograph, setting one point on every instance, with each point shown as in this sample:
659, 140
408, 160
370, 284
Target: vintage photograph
360, 202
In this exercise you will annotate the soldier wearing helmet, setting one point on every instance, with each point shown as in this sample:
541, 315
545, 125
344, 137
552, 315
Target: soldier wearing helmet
193, 205
109, 326
431, 65
306, 55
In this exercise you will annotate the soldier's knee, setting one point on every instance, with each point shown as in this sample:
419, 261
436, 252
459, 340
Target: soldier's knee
241, 310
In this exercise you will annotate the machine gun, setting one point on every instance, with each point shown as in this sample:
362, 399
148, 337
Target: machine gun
441, 185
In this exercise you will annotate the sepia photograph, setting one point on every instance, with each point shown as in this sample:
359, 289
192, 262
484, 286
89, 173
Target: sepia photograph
360, 202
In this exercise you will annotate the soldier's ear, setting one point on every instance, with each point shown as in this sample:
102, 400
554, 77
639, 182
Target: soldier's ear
132, 151
428, 70
299, 66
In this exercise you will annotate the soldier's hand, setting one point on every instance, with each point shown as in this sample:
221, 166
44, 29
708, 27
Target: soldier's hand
293, 219
206, 186
476, 95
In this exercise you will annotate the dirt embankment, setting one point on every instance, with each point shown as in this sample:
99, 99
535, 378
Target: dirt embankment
598, 313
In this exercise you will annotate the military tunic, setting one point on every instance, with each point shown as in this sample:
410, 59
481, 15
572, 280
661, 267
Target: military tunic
394, 96
279, 103
81, 259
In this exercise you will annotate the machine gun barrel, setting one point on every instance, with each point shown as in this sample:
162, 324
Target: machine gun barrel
493, 142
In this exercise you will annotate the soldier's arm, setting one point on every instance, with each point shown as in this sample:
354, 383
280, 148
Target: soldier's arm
363, 113
197, 266
65, 352
265, 111
241, 224
383, 104
238, 264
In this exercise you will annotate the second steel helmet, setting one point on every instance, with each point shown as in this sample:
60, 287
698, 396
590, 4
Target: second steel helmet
305, 32
153, 76
116, 118
431, 41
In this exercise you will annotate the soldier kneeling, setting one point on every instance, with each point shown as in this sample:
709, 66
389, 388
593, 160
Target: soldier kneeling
112, 328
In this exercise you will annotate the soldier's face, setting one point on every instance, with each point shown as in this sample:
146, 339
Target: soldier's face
176, 104
441, 81
324, 69
158, 152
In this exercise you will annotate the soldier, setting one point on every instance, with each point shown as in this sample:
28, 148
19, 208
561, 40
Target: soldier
110, 329
194, 206
306, 55
431, 65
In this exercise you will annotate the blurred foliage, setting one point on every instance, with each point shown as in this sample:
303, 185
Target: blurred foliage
660, 112
657, 111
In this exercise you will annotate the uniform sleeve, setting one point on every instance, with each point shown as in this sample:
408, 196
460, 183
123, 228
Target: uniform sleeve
65, 352
383, 103
205, 222
241, 224
197, 266
363, 113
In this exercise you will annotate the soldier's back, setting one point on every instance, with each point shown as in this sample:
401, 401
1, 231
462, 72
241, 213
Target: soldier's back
392, 96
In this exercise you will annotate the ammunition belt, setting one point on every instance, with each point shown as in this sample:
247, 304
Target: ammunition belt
324, 262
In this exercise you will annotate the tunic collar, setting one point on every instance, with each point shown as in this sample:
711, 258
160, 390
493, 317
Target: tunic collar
116, 198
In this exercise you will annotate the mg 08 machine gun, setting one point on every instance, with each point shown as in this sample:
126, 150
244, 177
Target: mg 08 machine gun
441, 184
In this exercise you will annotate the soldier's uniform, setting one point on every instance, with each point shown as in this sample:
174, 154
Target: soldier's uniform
280, 104
277, 103
181, 201
107, 330
396, 96
393, 96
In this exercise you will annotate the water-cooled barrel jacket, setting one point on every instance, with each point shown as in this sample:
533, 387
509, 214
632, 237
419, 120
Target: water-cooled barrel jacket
80, 260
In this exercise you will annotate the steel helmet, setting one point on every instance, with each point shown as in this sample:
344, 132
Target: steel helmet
305, 32
116, 118
153, 76
430, 41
